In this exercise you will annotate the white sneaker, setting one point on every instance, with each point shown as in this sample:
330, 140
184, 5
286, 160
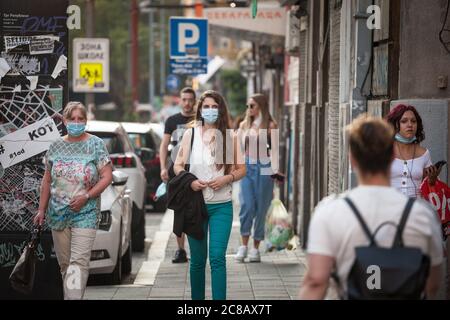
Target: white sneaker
254, 256
241, 254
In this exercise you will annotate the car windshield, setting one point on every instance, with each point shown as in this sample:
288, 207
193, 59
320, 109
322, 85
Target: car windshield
112, 142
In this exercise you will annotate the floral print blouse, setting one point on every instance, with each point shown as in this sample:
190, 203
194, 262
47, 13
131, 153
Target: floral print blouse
74, 169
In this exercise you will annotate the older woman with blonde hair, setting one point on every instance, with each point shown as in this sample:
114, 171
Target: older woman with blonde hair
77, 170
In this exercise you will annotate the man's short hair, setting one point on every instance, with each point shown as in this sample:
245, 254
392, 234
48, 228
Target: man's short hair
188, 90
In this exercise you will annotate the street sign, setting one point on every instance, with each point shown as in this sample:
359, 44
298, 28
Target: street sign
188, 45
172, 82
91, 65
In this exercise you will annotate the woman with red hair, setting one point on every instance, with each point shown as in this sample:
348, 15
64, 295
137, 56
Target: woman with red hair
412, 162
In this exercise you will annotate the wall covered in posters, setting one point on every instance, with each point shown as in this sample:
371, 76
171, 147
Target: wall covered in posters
33, 91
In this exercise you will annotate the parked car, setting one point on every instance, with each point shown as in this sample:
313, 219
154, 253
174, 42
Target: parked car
125, 159
146, 142
112, 250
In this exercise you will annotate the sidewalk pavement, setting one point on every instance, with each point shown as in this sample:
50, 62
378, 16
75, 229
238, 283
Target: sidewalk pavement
276, 277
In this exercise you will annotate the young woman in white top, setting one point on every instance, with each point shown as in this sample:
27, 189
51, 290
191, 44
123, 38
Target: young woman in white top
256, 192
412, 163
216, 162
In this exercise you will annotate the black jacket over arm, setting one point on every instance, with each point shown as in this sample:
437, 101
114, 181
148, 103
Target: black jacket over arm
188, 205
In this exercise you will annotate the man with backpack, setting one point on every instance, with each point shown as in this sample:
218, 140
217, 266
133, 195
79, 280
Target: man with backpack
373, 240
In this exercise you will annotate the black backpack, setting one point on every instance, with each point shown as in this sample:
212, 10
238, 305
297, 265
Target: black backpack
396, 273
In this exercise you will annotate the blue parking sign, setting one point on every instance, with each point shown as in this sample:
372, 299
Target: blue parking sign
188, 37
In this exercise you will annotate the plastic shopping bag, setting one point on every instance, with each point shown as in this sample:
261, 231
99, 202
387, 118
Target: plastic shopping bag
439, 198
278, 229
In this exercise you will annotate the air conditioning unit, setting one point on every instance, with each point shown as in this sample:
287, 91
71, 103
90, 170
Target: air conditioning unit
292, 42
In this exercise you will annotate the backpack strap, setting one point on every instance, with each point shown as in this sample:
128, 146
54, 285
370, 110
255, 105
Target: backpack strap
398, 239
361, 221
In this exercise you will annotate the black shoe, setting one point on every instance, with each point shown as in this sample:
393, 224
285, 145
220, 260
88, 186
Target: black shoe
180, 256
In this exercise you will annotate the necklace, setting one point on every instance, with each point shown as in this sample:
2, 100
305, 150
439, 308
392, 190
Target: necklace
405, 162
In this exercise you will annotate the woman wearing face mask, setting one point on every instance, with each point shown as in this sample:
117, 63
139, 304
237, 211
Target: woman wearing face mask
78, 169
216, 163
412, 163
257, 187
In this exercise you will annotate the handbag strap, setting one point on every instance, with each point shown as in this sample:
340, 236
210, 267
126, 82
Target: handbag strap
187, 166
398, 239
361, 221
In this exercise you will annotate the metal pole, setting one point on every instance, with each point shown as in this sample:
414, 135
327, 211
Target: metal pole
134, 53
162, 64
151, 75
90, 32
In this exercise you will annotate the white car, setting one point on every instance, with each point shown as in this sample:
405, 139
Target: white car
111, 253
125, 159
146, 142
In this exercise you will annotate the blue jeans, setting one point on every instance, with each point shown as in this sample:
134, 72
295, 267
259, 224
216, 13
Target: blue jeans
219, 222
255, 198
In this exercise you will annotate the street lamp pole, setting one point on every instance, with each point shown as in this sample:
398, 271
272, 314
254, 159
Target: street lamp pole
162, 66
151, 75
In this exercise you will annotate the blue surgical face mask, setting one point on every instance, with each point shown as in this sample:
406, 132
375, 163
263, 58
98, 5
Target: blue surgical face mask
76, 129
210, 115
402, 139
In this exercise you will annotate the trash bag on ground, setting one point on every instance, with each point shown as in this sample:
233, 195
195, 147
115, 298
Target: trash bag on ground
278, 230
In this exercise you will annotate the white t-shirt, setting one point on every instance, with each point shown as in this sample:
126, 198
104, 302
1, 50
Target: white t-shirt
203, 166
406, 175
335, 231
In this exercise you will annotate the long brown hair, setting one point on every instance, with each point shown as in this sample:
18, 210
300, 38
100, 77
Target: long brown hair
222, 124
263, 104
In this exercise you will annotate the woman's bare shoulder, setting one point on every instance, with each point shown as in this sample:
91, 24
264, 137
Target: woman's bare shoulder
421, 151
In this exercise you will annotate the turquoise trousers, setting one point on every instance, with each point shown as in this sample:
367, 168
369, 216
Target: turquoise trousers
220, 218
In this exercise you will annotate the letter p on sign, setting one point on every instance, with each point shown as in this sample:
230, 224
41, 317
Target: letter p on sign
188, 37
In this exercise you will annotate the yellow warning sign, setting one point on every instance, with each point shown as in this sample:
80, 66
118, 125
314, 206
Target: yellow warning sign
92, 72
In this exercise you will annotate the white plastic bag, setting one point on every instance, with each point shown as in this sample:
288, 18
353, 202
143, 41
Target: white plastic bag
278, 230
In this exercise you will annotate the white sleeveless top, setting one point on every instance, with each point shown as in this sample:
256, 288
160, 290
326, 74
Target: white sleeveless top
203, 167
406, 175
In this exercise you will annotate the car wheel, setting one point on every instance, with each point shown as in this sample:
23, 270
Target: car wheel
138, 237
127, 262
116, 275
